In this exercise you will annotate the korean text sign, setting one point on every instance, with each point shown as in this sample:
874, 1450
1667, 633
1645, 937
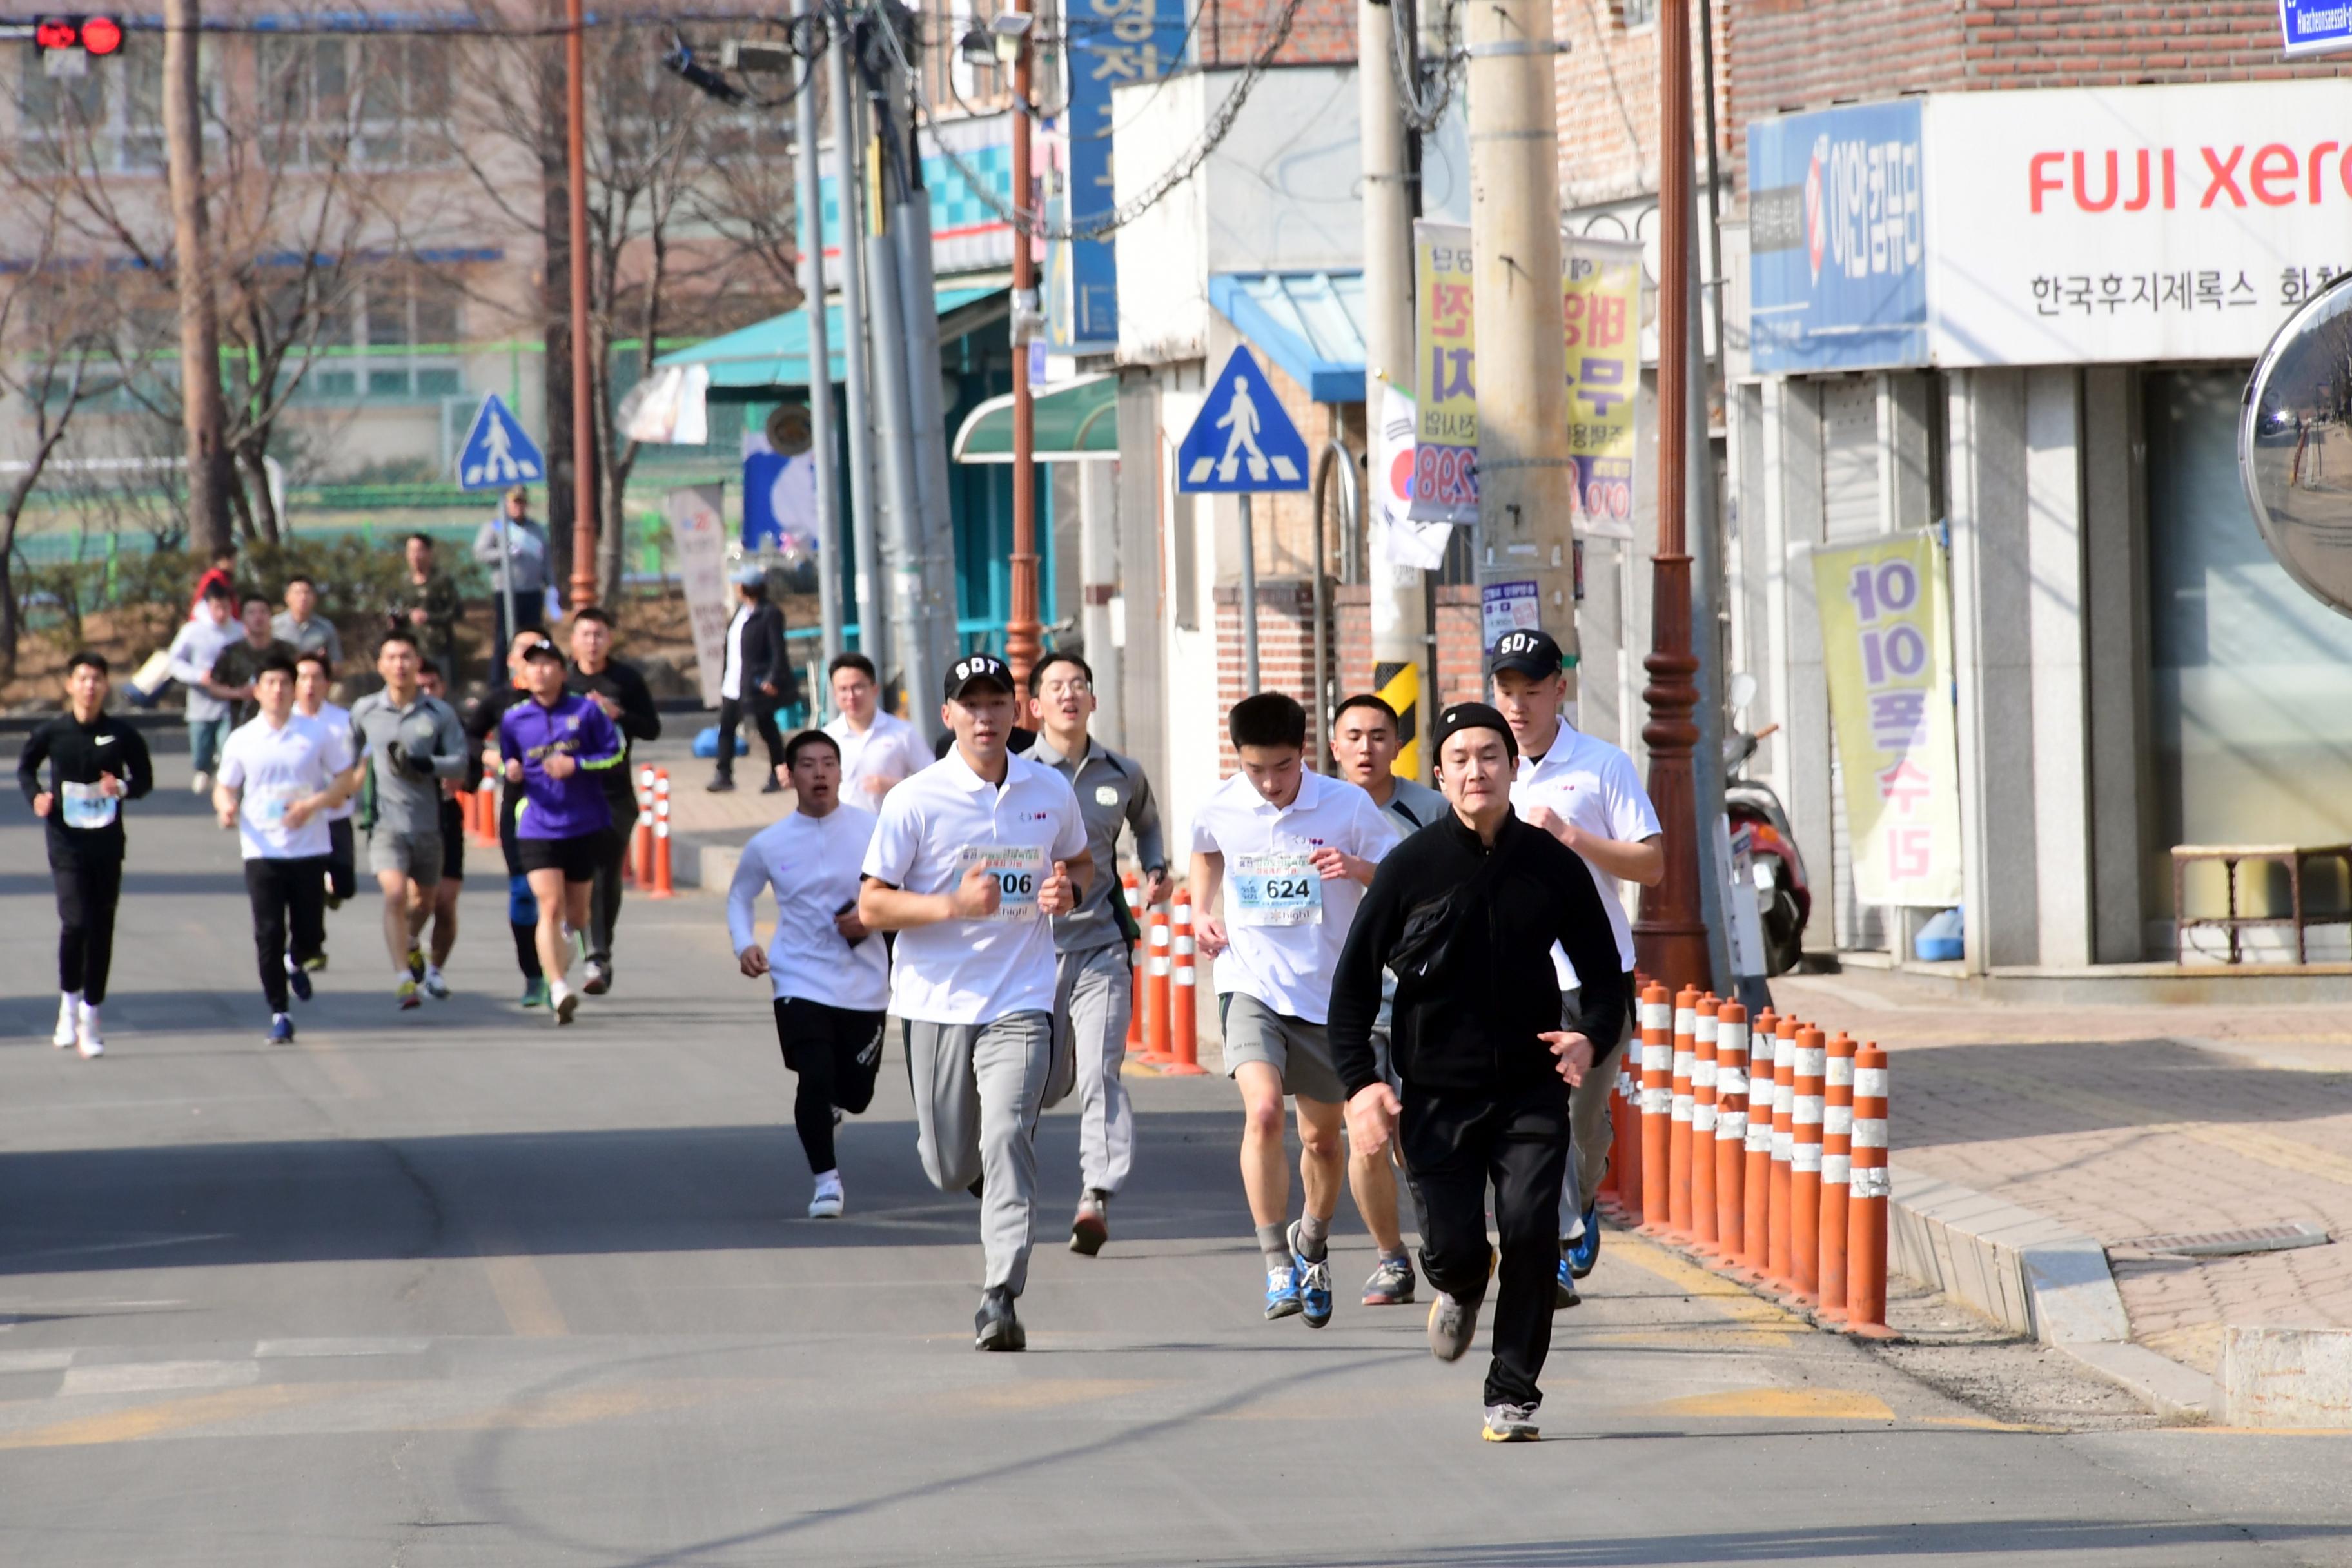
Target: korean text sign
1600, 304
2104, 225
1838, 238
1111, 44
1886, 649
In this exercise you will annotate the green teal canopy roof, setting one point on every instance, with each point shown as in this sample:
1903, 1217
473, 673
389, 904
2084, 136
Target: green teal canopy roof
751, 363
1076, 421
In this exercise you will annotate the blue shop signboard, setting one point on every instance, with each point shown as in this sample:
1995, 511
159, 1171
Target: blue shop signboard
1112, 43
1837, 239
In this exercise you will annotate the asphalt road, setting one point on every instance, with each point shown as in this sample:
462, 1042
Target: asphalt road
454, 1288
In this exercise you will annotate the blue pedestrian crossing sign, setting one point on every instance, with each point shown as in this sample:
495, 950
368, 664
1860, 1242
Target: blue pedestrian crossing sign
1241, 441
498, 451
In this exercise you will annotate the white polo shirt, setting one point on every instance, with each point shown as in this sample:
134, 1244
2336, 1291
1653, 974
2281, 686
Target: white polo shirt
932, 827
811, 863
1285, 950
1590, 785
275, 767
887, 748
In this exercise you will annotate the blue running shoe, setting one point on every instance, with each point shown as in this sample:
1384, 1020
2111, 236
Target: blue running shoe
1314, 1282
1564, 1293
297, 978
1585, 1250
282, 1029
1282, 1294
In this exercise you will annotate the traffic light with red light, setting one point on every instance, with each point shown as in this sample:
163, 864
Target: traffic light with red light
97, 36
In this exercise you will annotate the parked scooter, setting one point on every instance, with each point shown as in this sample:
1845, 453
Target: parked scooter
1784, 899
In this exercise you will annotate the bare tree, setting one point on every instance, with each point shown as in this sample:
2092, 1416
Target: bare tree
56, 355
657, 149
317, 161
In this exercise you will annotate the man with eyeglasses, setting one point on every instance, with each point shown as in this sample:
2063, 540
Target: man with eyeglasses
1093, 980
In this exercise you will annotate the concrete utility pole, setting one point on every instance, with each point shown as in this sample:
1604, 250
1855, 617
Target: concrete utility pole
1526, 484
1670, 937
1399, 598
918, 290
203, 414
823, 450
848, 157
584, 467
1023, 638
894, 424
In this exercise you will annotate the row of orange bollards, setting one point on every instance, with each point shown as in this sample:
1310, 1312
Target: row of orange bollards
1762, 1149
647, 863
1163, 1021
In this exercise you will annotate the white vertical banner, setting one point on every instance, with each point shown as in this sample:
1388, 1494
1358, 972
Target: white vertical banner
697, 529
1403, 540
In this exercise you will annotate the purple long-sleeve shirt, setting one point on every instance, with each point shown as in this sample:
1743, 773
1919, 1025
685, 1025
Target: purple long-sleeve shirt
532, 731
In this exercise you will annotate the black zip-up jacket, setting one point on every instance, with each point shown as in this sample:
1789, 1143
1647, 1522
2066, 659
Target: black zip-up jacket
77, 754
1474, 1026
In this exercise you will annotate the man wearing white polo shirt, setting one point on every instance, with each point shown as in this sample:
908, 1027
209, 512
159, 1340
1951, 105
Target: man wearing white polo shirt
1293, 852
878, 750
971, 860
1585, 792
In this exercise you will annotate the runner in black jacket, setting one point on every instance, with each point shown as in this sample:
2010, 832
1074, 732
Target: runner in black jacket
96, 763
1486, 1069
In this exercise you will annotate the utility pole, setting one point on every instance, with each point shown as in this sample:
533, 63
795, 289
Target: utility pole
1527, 489
1024, 637
584, 497
1399, 598
823, 452
848, 157
203, 414
894, 415
1670, 936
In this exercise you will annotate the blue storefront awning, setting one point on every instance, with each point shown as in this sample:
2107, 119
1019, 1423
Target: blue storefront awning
753, 362
1309, 323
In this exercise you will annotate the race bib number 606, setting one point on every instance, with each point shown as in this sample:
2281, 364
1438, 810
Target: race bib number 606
1019, 870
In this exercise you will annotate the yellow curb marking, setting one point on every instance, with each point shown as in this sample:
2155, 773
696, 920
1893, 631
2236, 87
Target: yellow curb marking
1775, 1405
174, 1416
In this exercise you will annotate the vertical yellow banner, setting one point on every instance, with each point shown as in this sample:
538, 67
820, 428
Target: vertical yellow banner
1886, 650
1446, 440
1600, 310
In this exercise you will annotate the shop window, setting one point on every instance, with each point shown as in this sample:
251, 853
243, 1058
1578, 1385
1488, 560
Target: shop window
1632, 14
2251, 676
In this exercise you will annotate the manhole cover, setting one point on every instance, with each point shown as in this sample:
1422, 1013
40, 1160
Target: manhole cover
2231, 1243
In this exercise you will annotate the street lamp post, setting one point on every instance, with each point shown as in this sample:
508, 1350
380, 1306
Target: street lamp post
584, 390
1024, 637
1670, 934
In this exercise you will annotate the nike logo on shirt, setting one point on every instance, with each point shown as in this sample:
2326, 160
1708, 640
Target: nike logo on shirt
106, 740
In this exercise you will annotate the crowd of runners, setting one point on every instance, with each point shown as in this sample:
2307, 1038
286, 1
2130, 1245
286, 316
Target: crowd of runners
1434, 983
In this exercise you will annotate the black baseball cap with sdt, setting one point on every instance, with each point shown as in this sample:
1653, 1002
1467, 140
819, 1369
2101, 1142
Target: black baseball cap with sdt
1527, 651
979, 667
542, 648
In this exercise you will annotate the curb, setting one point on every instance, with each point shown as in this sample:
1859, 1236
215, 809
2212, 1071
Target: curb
2032, 1275
2285, 1377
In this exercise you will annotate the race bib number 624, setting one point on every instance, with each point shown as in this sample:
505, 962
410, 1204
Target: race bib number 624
1275, 889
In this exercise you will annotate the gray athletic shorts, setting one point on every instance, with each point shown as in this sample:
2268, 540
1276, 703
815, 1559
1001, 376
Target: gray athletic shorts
1298, 1050
416, 855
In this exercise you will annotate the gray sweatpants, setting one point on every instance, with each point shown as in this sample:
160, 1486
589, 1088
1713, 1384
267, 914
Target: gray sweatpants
1588, 1119
1093, 995
979, 1089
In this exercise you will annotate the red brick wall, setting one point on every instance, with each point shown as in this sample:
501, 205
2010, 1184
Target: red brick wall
1232, 32
1788, 54
1607, 88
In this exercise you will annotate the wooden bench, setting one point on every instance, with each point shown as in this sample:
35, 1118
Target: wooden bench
2294, 856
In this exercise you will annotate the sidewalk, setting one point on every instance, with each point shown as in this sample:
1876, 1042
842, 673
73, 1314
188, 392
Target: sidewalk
2129, 1121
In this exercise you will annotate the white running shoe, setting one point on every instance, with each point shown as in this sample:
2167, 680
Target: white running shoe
435, 986
827, 1203
87, 1035
202, 783
63, 1035
565, 1002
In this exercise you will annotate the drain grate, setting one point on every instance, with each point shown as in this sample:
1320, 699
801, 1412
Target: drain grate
2231, 1243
